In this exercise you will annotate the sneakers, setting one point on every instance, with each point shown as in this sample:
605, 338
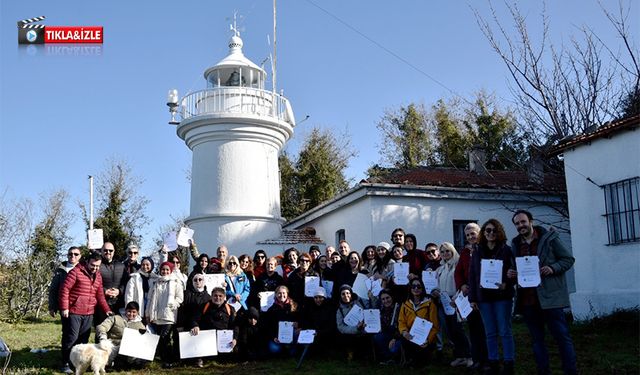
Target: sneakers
66, 369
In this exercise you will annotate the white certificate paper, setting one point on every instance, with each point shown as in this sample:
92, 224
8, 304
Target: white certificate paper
375, 286
311, 285
528, 271
201, 345
328, 287
170, 241
213, 280
285, 332
463, 305
420, 331
360, 286
184, 235
401, 273
135, 345
354, 316
430, 280
372, 321
490, 273
306, 336
225, 340
266, 300
446, 304
96, 239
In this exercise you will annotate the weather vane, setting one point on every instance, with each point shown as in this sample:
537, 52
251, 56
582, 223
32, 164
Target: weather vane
234, 26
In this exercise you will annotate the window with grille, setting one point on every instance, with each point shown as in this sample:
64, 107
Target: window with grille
622, 211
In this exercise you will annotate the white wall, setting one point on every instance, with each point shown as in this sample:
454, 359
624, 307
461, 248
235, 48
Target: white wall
607, 277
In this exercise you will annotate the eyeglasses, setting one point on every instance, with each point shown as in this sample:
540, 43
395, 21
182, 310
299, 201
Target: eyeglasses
261, 256
489, 230
73, 254
416, 286
176, 262
430, 252
233, 263
305, 260
198, 279
133, 252
109, 250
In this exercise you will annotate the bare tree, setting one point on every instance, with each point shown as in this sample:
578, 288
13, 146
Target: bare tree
30, 242
564, 90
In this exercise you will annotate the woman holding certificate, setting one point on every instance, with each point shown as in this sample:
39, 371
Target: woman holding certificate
297, 282
492, 292
237, 284
350, 320
418, 324
277, 322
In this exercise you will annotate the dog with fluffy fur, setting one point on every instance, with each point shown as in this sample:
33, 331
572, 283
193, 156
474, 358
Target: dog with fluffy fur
95, 355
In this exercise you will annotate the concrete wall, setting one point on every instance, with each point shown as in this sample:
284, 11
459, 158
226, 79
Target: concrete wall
607, 276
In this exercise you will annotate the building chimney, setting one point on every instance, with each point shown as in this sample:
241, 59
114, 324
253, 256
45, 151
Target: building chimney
535, 166
478, 160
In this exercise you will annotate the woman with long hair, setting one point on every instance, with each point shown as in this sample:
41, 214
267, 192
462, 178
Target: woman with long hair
369, 258
384, 264
446, 285
237, 288
494, 303
284, 309
418, 305
259, 263
387, 341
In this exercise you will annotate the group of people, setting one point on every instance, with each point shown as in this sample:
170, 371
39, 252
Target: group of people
165, 300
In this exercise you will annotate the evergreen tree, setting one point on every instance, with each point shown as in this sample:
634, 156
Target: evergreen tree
406, 139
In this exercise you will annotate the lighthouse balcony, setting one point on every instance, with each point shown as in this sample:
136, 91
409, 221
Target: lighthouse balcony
242, 101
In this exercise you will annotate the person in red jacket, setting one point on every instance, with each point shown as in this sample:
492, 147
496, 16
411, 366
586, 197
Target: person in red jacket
79, 295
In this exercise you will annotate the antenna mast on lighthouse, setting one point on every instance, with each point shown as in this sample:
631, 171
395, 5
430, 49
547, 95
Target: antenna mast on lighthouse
273, 66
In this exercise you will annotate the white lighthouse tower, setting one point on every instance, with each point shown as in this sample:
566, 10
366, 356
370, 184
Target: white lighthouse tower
236, 129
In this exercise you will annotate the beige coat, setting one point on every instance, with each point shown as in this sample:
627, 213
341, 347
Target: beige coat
165, 296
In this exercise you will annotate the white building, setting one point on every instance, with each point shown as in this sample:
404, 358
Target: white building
434, 204
602, 171
236, 129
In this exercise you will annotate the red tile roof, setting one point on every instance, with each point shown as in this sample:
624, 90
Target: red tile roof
605, 130
461, 178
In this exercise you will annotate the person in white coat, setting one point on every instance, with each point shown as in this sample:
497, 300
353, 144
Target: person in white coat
165, 296
137, 289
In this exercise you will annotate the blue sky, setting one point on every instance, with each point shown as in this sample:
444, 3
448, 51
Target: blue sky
64, 111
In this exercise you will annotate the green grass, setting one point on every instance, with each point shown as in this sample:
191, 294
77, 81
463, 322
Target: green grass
607, 345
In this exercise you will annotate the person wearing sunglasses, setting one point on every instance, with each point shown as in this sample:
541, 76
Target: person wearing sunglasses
494, 303
195, 298
73, 258
114, 280
259, 263
131, 263
238, 287
418, 305
296, 280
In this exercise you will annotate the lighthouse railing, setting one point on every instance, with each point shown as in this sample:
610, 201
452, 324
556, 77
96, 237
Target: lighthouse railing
236, 100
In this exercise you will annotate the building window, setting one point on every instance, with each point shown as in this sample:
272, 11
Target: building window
458, 233
339, 236
622, 211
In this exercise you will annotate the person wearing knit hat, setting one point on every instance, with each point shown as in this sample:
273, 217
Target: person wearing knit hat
385, 245
352, 336
165, 296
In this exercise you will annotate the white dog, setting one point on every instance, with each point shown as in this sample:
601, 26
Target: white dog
94, 355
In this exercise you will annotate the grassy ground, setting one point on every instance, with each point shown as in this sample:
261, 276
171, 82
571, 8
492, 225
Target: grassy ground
609, 345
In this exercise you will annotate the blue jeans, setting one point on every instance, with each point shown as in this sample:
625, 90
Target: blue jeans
536, 318
496, 317
381, 341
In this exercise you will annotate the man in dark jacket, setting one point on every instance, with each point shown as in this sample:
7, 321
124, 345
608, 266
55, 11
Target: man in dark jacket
114, 281
79, 295
74, 256
544, 304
